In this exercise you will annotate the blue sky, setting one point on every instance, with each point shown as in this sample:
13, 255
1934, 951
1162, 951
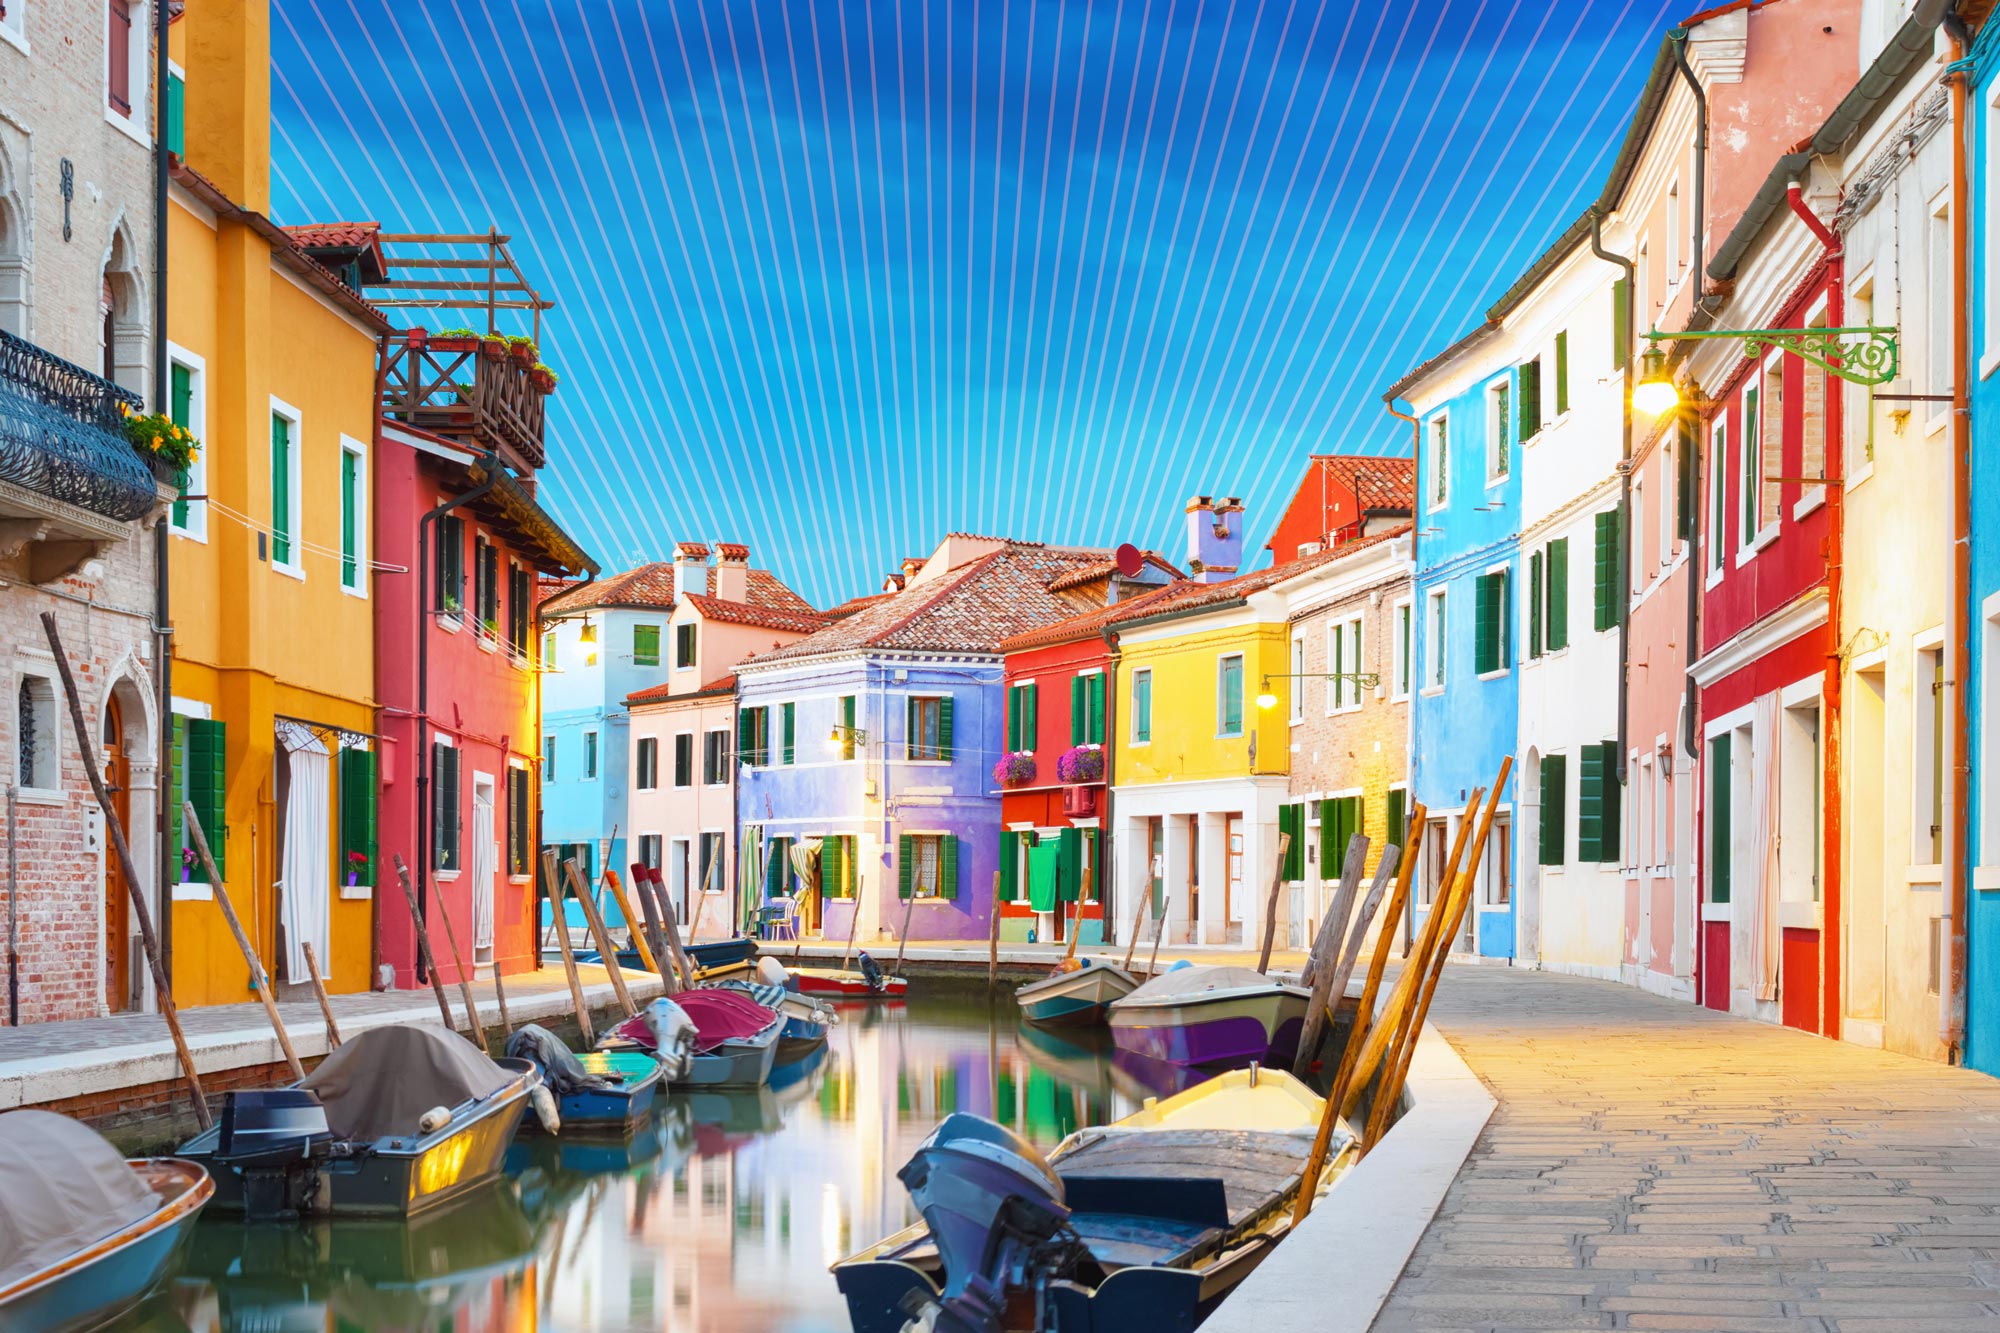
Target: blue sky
834, 279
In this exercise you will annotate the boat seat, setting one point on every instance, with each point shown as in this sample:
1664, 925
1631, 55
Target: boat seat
1201, 1201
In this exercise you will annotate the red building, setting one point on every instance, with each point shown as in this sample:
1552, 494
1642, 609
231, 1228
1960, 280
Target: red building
1343, 496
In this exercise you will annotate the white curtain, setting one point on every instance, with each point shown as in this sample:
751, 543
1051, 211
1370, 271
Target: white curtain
485, 865
1766, 935
306, 876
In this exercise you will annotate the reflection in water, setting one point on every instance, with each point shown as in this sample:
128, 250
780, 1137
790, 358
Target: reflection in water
721, 1216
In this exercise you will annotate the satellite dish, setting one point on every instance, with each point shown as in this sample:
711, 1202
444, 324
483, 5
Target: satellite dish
1130, 560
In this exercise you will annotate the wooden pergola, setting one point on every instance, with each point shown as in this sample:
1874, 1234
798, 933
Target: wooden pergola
467, 273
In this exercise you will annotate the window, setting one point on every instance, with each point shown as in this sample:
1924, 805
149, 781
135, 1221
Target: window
486, 585
200, 748
710, 863
1638, 534
1142, 706
444, 806
590, 755
187, 405
1927, 702
1990, 132
1598, 819
1436, 834
1812, 418
1717, 818
1621, 323
449, 561
1343, 693
1086, 709
520, 609
1988, 784
1298, 684
1499, 428
927, 727
176, 136
1673, 255
646, 645
927, 865
1435, 647
1399, 669
520, 823
715, 757
1662, 789
1748, 467
1229, 695
1718, 496
1771, 443
1857, 414
753, 736
684, 759
1666, 488
118, 56
788, 732
285, 499
37, 756
646, 763
1562, 372
1022, 718
684, 645
549, 649
847, 741
353, 515
1531, 399
1490, 623
1606, 602
650, 851
1937, 245
1639, 780
548, 758
1555, 809
1496, 876
1800, 787
1440, 487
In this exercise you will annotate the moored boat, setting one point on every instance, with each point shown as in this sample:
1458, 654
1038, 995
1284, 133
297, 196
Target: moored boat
1211, 1016
596, 1092
397, 1120
807, 1018
735, 1040
865, 982
1146, 1224
84, 1233
1075, 999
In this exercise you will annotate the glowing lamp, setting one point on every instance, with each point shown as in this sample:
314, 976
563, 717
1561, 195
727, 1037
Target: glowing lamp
1266, 697
1655, 392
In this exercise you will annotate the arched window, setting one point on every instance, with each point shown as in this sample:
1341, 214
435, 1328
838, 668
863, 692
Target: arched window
29, 737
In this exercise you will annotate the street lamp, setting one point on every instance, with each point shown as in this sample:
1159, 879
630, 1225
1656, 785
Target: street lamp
1267, 698
842, 736
1655, 392
1862, 354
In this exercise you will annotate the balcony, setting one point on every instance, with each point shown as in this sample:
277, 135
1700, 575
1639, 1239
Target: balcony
467, 389
70, 480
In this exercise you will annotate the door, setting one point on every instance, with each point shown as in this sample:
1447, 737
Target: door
1156, 860
117, 934
1193, 876
485, 867
1232, 889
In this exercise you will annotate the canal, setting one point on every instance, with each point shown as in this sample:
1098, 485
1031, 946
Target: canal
724, 1215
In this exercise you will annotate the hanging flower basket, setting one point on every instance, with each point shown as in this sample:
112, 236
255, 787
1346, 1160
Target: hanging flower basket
1014, 769
1081, 763
452, 340
522, 350
543, 379
169, 449
493, 349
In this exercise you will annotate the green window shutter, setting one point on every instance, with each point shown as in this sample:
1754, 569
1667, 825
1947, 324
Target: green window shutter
944, 727
1562, 372
903, 865
1535, 582
746, 735
1350, 823
774, 861
1030, 717
788, 715
1555, 802
1530, 401
1718, 819
1288, 823
1142, 706
1556, 629
1684, 482
1486, 624
1069, 864
181, 406
177, 773
1609, 804
176, 136
358, 815
1605, 604
1329, 840
912, 734
1621, 323
1093, 731
350, 571
208, 745
847, 726
1010, 866
1396, 818
281, 490
1076, 707
1590, 804
646, 645
948, 867
1013, 719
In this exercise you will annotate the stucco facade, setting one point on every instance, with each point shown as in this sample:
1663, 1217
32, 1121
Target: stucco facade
1981, 614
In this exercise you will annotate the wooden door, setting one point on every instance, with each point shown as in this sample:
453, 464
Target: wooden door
117, 935
1232, 888
1193, 877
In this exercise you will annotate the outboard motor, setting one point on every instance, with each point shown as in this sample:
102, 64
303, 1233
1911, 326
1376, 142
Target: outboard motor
996, 1214
871, 972
276, 1142
674, 1037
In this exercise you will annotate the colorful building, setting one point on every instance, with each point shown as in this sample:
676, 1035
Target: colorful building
1341, 497
1979, 616
681, 814
274, 595
869, 746
79, 506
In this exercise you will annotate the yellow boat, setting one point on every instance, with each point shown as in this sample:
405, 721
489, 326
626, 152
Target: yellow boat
1144, 1224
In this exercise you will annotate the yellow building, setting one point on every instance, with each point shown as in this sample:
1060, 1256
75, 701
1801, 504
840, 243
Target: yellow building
273, 365
1200, 771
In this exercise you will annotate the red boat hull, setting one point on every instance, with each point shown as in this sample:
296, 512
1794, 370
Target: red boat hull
846, 985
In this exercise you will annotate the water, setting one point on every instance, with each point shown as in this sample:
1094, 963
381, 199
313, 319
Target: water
724, 1215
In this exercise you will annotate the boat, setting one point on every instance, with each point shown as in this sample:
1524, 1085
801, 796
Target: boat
867, 982
1145, 1224
399, 1119
596, 1092
807, 1019
735, 1038
85, 1233
1078, 998
1211, 1016
712, 960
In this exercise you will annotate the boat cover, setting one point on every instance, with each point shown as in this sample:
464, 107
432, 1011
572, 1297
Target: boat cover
64, 1188
1191, 983
721, 1015
382, 1080
561, 1070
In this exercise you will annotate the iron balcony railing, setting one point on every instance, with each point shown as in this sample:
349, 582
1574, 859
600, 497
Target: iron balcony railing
62, 434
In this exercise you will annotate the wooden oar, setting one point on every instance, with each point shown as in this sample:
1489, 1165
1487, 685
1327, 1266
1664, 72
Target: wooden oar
854, 922
651, 926
670, 922
1138, 924
1068, 963
319, 993
464, 966
1153, 963
1326, 951
595, 919
993, 937
560, 923
424, 947
260, 980
163, 986
903, 936
1271, 904
1364, 1015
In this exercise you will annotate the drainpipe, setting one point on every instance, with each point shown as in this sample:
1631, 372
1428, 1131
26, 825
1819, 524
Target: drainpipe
422, 759
1410, 736
1690, 691
165, 872
1625, 479
1829, 999
1951, 1018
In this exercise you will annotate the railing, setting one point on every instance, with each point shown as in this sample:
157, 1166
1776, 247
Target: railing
462, 392
62, 434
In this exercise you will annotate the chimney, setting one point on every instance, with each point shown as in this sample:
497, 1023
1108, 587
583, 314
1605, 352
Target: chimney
690, 569
732, 572
1215, 538
911, 565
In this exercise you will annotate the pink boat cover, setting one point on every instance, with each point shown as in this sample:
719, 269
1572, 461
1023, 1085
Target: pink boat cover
719, 1016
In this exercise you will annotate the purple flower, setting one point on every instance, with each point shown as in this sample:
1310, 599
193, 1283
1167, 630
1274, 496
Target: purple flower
1081, 763
1014, 768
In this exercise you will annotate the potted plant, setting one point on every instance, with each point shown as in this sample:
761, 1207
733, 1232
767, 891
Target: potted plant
493, 347
522, 350
1013, 769
357, 866
1081, 763
544, 379
169, 449
453, 340
415, 337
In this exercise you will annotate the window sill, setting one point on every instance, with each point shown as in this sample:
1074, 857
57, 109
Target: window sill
126, 126
486, 645
190, 534
1798, 916
193, 893
444, 876
355, 893
1432, 691
1229, 735
41, 796
1986, 878
1498, 673
289, 571
520, 879
1749, 551
1814, 498
1924, 876
359, 594
1715, 912
449, 622
1713, 581
1495, 483
14, 38
1987, 364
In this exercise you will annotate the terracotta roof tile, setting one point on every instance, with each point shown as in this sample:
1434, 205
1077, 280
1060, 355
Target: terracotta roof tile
1093, 623
1104, 569
335, 235
654, 694
763, 617
732, 550
1381, 483
652, 585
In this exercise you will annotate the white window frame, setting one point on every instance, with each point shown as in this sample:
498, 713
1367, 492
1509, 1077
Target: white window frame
1437, 633
694, 762
1937, 313
295, 486
1717, 498
1673, 259
1132, 726
1857, 417
1929, 753
197, 368
359, 450
550, 750
1638, 535
1298, 683
138, 73
58, 719
728, 738
1669, 484
14, 28
1402, 619
639, 782
593, 755
1337, 690
1437, 486
1986, 870
1497, 426
443, 740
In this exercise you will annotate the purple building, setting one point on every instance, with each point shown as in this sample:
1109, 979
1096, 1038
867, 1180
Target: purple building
868, 747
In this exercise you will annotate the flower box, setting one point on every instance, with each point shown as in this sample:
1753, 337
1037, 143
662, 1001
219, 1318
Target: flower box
543, 379
1014, 769
415, 338
522, 351
493, 349
1081, 763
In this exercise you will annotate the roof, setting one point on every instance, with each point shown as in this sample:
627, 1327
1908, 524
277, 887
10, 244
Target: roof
1383, 483
651, 586
1104, 569
750, 613
658, 694
361, 237
1192, 598
853, 604
969, 609
1093, 623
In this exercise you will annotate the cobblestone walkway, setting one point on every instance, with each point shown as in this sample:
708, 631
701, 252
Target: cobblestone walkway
1653, 1165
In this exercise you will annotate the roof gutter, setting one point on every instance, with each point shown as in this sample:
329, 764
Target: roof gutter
1625, 470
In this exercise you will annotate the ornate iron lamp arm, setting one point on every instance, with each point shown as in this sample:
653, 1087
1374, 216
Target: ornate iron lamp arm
1872, 359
